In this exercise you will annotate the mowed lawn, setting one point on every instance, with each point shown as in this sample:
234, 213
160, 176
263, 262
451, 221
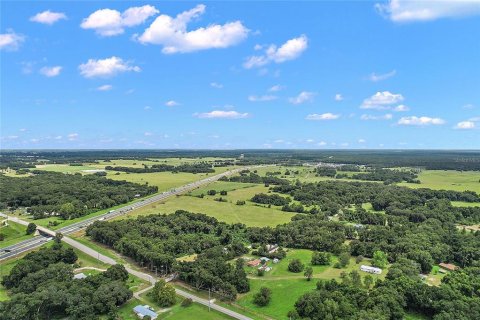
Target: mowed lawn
448, 180
177, 312
250, 214
287, 286
13, 233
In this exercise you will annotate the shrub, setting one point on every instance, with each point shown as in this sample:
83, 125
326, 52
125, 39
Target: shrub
262, 298
296, 266
321, 258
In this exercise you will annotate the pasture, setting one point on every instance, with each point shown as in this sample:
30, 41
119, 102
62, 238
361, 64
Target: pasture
250, 214
448, 180
287, 287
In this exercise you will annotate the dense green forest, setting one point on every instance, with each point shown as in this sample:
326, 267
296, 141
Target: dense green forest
42, 287
388, 176
246, 176
416, 230
332, 196
156, 241
68, 196
457, 298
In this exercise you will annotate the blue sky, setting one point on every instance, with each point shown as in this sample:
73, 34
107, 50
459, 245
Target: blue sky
240, 74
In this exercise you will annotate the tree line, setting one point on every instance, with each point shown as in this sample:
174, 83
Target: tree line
67, 196
42, 286
200, 167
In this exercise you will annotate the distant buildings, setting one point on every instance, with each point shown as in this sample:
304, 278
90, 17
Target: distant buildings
370, 269
143, 311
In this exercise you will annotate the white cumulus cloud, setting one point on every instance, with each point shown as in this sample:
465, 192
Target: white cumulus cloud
276, 88
109, 22
290, 50
302, 97
254, 98
420, 121
216, 85
401, 108
374, 77
221, 114
171, 103
51, 71
11, 41
48, 17
465, 125
105, 87
409, 11
324, 116
73, 136
106, 67
387, 116
338, 97
382, 100
172, 33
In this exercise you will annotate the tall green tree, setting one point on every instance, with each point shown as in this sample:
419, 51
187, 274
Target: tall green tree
164, 294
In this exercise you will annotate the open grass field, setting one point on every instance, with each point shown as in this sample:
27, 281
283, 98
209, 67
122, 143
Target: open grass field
194, 311
66, 168
250, 214
13, 173
465, 204
448, 180
13, 233
287, 287
163, 180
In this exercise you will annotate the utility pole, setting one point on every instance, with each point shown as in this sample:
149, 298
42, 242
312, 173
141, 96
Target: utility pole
209, 300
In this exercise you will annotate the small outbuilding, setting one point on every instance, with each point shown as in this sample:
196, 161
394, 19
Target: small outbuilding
143, 311
370, 269
253, 263
79, 276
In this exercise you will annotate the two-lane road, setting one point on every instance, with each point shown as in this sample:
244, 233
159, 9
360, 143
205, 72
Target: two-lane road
11, 251
30, 244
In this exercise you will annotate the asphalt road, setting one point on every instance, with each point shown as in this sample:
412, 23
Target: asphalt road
29, 244
12, 251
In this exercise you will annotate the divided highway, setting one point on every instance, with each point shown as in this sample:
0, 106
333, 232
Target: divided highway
37, 241
47, 234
